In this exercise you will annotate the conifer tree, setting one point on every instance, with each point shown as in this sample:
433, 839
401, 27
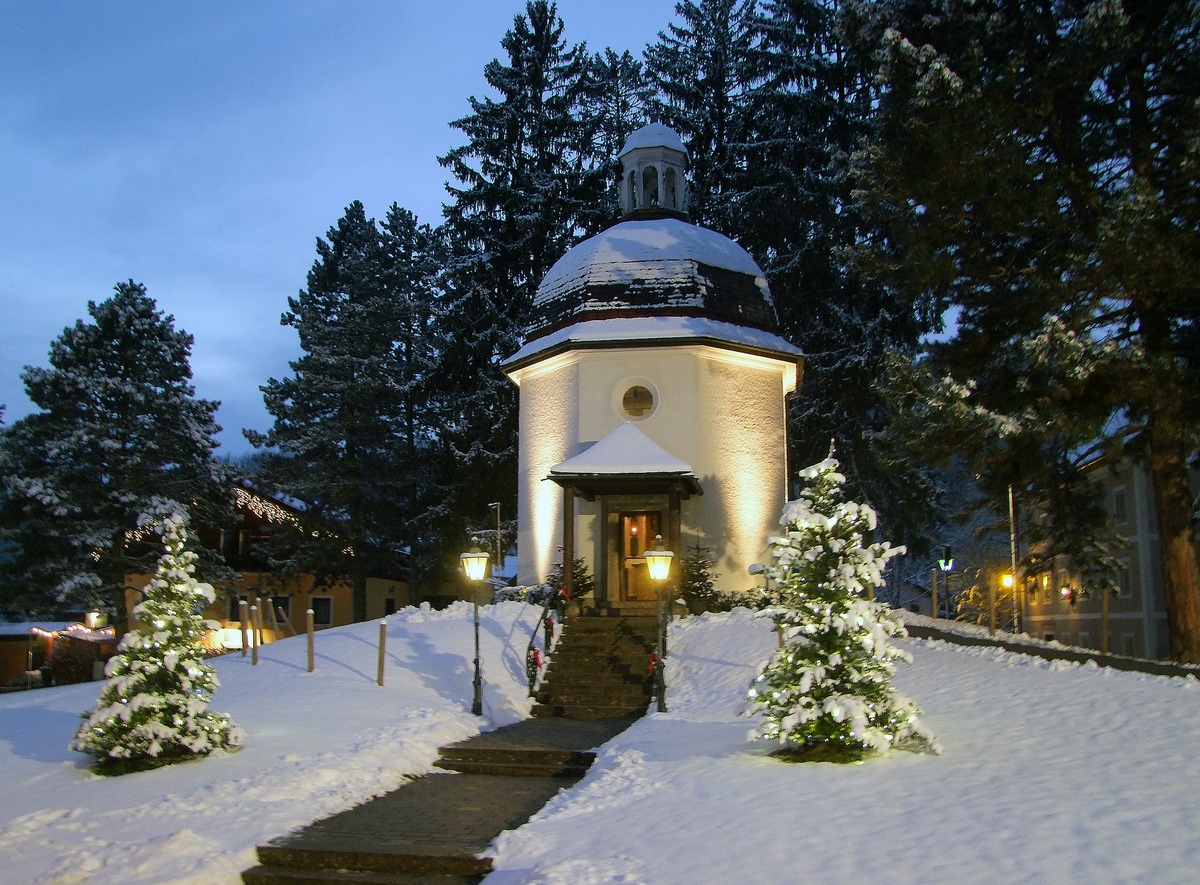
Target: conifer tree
153, 708
698, 68
826, 693
524, 191
118, 425
1034, 170
349, 427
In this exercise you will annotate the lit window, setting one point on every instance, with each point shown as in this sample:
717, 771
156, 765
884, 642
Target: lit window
638, 401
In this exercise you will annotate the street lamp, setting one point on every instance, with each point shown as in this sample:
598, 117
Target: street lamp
658, 563
474, 563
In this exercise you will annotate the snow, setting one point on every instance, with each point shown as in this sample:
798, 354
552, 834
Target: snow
1049, 772
21, 628
663, 249
653, 135
655, 328
626, 450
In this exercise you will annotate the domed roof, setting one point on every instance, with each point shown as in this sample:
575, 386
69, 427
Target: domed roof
653, 135
653, 267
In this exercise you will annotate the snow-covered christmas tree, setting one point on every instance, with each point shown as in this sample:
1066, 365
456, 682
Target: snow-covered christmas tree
826, 694
153, 709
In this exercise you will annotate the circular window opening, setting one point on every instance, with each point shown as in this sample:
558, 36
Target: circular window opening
638, 401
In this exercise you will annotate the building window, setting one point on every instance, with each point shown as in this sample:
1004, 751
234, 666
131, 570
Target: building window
282, 604
1085, 640
638, 401
322, 607
1120, 514
389, 606
1127, 646
1123, 582
235, 607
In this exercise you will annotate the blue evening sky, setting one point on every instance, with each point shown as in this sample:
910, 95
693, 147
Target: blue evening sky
201, 148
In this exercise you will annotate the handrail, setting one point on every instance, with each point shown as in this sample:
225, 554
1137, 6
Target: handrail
533, 663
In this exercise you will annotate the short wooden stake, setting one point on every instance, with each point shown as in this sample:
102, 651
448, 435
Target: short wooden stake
308, 620
244, 622
254, 635
933, 576
382, 650
258, 622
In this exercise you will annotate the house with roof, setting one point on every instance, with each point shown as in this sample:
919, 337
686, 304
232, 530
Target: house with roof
653, 394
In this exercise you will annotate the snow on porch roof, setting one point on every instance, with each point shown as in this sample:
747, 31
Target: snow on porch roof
624, 451
626, 461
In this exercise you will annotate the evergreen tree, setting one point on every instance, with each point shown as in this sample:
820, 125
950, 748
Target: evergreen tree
1035, 170
826, 693
118, 426
349, 428
618, 105
807, 108
153, 708
525, 191
698, 68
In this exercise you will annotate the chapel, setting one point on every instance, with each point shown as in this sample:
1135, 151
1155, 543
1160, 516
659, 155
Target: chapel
653, 387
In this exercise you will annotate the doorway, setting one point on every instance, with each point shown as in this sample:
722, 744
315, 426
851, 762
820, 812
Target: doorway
636, 534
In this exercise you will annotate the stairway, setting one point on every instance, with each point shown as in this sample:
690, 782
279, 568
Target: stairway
601, 666
437, 828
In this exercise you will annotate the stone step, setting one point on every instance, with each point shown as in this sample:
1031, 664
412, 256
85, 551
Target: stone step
391, 863
590, 697
600, 659
269, 875
568, 773
515, 761
574, 711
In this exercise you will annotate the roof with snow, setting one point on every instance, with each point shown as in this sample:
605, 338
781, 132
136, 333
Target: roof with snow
635, 331
650, 267
653, 135
625, 455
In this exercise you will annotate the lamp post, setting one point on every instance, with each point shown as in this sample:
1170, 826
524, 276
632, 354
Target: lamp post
658, 563
474, 563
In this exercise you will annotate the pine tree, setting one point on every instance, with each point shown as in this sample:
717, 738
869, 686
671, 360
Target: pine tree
349, 427
153, 708
698, 68
618, 105
826, 693
118, 426
525, 191
1034, 170
696, 578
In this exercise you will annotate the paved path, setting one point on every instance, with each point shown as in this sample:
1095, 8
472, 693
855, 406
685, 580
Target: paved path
436, 827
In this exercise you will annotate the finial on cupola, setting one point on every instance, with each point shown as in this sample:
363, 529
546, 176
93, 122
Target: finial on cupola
653, 163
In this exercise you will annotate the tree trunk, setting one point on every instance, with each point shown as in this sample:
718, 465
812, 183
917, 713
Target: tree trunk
1180, 569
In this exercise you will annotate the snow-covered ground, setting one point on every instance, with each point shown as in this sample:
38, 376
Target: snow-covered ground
1050, 772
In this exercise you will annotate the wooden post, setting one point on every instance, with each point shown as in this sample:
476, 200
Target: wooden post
933, 590
1105, 595
283, 620
254, 635
244, 621
991, 585
382, 650
258, 622
308, 618
569, 545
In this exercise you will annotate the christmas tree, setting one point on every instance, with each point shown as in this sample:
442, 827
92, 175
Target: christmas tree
826, 693
153, 710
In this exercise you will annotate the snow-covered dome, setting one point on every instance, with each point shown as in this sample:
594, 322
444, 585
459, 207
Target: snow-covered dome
654, 267
654, 264
653, 135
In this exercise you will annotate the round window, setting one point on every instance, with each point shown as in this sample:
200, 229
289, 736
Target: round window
638, 401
